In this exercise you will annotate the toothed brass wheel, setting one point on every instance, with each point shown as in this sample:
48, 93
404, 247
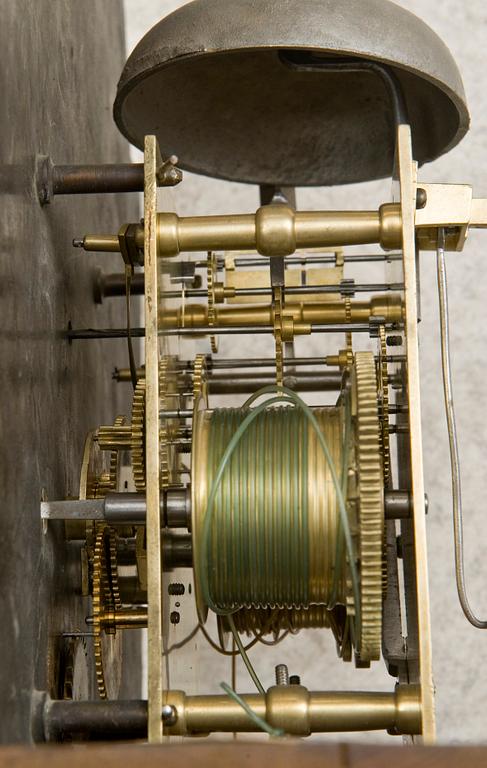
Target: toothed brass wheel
371, 503
383, 383
119, 433
211, 275
170, 399
138, 436
277, 296
199, 376
105, 599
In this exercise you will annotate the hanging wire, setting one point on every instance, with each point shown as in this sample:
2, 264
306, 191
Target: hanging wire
221, 650
128, 291
452, 435
245, 658
183, 642
262, 724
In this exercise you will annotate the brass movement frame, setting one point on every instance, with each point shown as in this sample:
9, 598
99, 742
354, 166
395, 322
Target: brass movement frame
155, 665
276, 232
407, 171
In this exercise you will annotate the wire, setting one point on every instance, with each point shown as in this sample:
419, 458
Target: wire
128, 290
204, 560
183, 642
339, 539
341, 501
452, 435
222, 650
277, 639
245, 658
262, 724
284, 396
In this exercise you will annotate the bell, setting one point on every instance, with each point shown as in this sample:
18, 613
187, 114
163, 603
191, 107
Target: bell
237, 90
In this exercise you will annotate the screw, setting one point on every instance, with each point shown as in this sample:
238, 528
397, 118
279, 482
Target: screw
394, 341
282, 674
176, 589
421, 198
169, 715
294, 680
399, 546
175, 617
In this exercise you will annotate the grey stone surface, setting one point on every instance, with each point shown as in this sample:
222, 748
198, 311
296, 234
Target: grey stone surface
58, 72
461, 680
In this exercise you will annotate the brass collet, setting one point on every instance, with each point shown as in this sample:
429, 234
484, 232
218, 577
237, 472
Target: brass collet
277, 230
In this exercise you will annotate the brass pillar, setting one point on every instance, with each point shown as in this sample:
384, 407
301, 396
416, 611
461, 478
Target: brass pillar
299, 712
276, 230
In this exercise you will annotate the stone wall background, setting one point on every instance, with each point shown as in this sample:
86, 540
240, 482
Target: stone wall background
460, 677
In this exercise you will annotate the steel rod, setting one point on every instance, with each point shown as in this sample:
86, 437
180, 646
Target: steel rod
121, 333
330, 382
115, 285
82, 179
186, 367
95, 720
323, 259
335, 288
126, 508
262, 362
130, 508
290, 291
215, 376
456, 475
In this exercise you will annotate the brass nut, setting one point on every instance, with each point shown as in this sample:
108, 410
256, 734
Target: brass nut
219, 293
287, 328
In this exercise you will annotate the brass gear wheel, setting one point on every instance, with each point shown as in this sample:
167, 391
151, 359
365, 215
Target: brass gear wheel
349, 336
169, 398
105, 598
211, 275
383, 381
108, 480
115, 587
371, 505
138, 436
199, 376
164, 432
97, 478
277, 299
